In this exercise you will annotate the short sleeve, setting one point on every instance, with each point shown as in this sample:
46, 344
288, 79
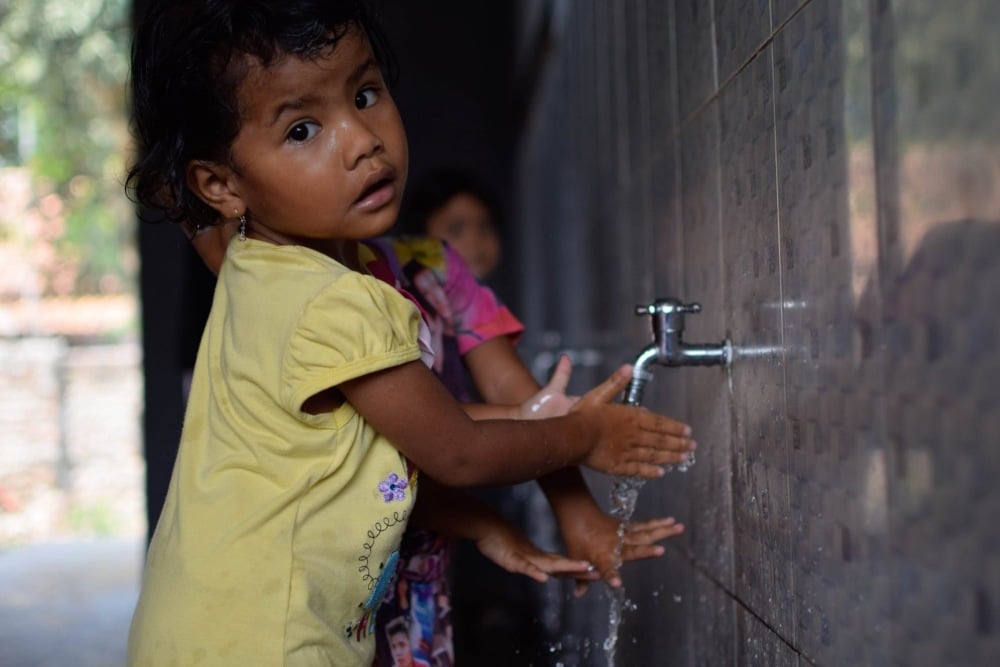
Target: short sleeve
478, 314
355, 326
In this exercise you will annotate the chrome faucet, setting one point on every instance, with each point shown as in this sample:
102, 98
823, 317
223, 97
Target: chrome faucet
668, 347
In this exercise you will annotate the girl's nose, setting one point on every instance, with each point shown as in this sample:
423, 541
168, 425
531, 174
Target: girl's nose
359, 141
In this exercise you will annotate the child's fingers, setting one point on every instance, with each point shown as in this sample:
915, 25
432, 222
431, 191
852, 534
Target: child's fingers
609, 389
558, 565
611, 577
641, 552
653, 530
666, 457
640, 538
651, 421
644, 470
657, 456
665, 442
521, 565
560, 376
583, 581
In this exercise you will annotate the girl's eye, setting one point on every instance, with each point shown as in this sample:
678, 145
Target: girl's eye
365, 98
303, 132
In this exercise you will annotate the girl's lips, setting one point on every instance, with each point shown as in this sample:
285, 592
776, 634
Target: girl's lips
377, 196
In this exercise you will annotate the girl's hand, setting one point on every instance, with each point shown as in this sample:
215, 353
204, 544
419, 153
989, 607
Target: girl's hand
632, 441
511, 550
596, 537
551, 400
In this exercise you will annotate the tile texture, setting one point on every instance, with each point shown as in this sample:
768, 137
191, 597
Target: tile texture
823, 176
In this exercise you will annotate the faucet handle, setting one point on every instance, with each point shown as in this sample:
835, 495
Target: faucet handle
693, 307
667, 306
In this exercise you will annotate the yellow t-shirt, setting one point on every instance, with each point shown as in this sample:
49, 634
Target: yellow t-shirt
280, 529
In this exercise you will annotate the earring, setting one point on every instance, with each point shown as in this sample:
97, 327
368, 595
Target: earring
243, 227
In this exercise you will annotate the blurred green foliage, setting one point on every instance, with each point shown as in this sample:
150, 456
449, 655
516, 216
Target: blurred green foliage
63, 117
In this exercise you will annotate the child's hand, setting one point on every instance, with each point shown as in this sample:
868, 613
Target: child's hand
595, 537
632, 441
551, 400
511, 550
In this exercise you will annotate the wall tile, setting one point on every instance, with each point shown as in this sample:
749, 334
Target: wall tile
710, 522
752, 283
834, 209
696, 72
824, 154
740, 27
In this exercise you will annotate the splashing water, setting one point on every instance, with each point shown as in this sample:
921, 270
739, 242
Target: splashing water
624, 495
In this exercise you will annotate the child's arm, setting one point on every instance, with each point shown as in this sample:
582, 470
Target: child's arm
588, 532
458, 515
411, 407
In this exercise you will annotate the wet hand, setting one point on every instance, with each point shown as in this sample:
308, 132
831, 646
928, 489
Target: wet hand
596, 538
632, 441
551, 400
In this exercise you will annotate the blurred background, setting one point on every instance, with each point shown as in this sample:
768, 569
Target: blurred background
72, 507
821, 175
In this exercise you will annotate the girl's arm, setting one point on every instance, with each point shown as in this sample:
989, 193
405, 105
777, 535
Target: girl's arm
411, 407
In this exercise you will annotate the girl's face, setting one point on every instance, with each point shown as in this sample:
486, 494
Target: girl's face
467, 224
321, 155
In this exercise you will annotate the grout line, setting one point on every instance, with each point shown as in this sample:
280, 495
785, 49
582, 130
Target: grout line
739, 70
781, 336
693, 562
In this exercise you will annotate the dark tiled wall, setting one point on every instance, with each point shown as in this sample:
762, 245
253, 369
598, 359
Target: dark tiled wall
822, 176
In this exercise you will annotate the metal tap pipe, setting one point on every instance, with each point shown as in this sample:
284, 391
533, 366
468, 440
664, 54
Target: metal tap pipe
668, 347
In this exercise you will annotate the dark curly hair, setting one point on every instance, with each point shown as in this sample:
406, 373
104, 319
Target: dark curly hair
188, 60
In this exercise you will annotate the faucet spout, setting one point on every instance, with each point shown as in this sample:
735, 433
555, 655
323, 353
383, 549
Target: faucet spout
641, 374
690, 354
668, 347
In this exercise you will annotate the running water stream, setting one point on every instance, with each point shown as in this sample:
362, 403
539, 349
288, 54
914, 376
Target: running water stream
667, 349
624, 495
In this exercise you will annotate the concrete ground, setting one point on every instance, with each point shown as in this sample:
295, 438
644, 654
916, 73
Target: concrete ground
68, 603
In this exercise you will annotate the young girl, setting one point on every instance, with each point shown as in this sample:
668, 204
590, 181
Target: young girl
310, 410
484, 348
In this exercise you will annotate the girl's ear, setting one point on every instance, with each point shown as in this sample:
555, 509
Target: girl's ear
213, 184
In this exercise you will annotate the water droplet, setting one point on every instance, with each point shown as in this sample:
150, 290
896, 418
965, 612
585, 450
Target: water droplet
677, 598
